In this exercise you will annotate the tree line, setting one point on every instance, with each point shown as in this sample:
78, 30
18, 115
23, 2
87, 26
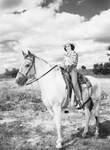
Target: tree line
98, 69
9, 73
101, 69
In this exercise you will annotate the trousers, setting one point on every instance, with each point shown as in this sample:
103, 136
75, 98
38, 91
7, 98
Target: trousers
73, 74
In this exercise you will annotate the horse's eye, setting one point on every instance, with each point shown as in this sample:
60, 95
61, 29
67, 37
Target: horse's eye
27, 65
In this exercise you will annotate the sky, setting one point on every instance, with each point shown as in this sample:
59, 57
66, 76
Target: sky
44, 26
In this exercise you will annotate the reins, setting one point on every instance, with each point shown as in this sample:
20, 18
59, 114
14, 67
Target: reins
41, 75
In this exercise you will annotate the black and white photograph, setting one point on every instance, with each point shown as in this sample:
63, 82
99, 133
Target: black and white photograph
54, 74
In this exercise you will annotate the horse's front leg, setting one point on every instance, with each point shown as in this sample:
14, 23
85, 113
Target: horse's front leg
57, 119
51, 112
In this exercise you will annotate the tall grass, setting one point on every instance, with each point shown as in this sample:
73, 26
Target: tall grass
13, 97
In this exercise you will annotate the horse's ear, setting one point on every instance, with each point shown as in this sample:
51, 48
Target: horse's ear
24, 54
29, 53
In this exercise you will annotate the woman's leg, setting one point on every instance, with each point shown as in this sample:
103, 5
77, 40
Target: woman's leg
76, 87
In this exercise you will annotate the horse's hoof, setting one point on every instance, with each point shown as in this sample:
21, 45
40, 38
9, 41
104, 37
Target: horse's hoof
59, 146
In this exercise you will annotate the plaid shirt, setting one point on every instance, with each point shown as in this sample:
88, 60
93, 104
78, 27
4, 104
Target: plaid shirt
71, 58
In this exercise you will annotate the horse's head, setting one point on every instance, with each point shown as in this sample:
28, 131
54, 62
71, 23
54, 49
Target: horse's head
27, 69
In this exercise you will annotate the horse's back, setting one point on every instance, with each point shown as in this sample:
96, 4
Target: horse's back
93, 80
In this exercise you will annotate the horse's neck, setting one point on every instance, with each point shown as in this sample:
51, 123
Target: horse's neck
51, 83
41, 67
46, 78
45, 82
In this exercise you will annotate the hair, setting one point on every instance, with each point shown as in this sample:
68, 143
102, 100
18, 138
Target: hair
72, 46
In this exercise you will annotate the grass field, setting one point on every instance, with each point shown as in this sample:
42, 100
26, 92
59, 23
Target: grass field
25, 124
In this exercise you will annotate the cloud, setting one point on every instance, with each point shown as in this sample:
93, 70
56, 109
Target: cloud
9, 61
56, 4
91, 52
80, 2
97, 28
9, 3
100, 25
44, 31
8, 46
18, 5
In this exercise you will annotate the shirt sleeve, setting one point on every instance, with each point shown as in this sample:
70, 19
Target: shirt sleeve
74, 59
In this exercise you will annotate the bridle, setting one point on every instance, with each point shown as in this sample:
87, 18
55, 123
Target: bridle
33, 63
35, 79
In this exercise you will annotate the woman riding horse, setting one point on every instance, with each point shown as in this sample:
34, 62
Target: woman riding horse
53, 87
70, 62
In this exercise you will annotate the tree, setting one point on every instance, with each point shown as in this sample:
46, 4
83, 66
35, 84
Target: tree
95, 68
108, 48
107, 68
11, 73
83, 67
14, 72
102, 68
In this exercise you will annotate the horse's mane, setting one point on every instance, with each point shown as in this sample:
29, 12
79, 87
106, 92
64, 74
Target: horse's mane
42, 60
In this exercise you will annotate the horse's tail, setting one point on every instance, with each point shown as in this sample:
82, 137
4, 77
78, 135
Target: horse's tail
96, 88
96, 93
96, 96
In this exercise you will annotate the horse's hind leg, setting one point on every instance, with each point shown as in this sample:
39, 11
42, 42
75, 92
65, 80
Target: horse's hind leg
97, 118
88, 109
87, 115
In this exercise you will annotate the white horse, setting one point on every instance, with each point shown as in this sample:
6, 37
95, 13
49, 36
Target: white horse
53, 90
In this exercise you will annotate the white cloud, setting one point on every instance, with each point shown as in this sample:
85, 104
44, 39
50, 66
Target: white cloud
56, 4
90, 53
97, 27
80, 2
9, 61
43, 31
18, 5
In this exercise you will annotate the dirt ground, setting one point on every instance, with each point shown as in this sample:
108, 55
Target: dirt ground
25, 124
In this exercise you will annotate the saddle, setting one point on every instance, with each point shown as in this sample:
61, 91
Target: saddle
67, 78
83, 80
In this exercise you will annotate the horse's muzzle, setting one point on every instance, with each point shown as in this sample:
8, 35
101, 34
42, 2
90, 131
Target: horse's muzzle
21, 81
